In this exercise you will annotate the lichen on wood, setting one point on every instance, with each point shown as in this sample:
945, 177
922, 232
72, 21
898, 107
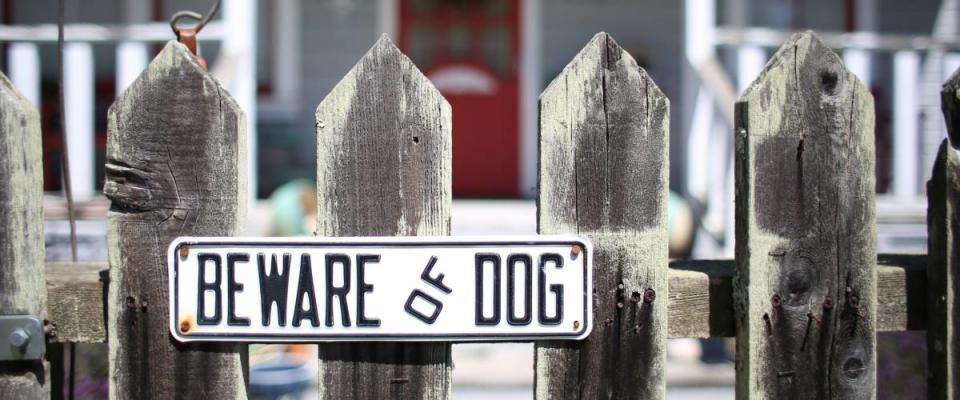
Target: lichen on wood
384, 144
805, 292
603, 174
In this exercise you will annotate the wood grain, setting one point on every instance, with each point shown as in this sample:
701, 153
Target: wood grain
176, 151
700, 298
77, 295
943, 192
805, 229
603, 173
22, 276
384, 169
943, 198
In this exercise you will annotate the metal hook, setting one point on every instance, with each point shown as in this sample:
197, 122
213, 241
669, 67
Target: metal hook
188, 36
203, 19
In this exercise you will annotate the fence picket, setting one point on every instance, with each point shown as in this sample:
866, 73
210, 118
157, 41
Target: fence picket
176, 151
384, 169
805, 229
603, 173
803, 302
943, 195
22, 276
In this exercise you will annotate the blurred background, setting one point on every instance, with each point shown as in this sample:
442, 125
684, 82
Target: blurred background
491, 59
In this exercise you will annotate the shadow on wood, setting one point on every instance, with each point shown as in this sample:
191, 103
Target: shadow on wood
805, 293
603, 174
384, 169
21, 234
176, 160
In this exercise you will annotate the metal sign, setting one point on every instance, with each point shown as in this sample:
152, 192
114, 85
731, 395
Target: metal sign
380, 289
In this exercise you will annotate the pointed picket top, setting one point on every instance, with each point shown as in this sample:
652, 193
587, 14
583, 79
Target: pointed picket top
591, 58
602, 99
799, 49
803, 69
175, 166
174, 101
805, 237
384, 58
604, 141
384, 105
174, 58
950, 103
384, 169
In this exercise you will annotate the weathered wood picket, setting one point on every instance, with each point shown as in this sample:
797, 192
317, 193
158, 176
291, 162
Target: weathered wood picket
21, 235
175, 159
384, 169
804, 298
603, 128
943, 224
805, 233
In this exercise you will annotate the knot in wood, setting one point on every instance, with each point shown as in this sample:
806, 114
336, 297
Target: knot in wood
853, 367
829, 80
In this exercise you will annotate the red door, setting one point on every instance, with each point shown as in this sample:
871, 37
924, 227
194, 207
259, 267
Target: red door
468, 49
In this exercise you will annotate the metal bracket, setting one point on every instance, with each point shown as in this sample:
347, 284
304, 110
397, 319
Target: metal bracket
21, 338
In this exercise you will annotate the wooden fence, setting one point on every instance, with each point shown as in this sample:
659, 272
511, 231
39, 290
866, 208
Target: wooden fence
805, 296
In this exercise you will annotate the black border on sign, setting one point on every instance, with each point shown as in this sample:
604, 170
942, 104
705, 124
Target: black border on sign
288, 338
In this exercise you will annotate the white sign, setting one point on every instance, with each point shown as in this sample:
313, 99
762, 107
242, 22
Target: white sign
380, 289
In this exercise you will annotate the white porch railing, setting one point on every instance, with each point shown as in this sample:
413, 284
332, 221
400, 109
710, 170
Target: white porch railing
918, 63
235, 32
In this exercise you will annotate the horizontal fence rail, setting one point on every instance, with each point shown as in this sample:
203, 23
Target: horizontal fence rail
699, 303
804, 297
